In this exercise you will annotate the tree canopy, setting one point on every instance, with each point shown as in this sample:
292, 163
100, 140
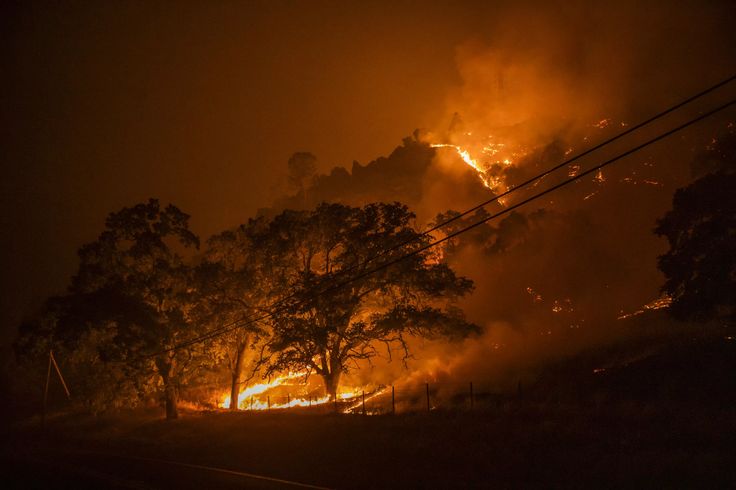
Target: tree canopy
329, 332
135, 280
234, 286
144, 314
700, 266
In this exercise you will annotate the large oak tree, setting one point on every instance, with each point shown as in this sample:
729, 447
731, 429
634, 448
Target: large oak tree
135, 278
236, 284
700, 265
326, 330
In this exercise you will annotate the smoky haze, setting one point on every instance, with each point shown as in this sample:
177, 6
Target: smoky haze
202, 106
553, 278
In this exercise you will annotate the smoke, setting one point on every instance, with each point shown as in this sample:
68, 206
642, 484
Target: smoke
544, 69
548, 81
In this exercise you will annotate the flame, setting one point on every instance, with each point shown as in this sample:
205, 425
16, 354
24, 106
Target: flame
259, 388
659, 303
487, 157
489, 181
360, 400
251, 398
464, 154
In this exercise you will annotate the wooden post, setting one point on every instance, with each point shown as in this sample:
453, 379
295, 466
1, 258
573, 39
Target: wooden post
46, 392
335, 398
251, 403
393, 400
472, 401
428, 408
58, 371
288, 400
310, 401
364, 403
269, 402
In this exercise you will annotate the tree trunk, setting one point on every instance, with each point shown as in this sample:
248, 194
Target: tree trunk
332, 380
172, 397
236, 374
166, 368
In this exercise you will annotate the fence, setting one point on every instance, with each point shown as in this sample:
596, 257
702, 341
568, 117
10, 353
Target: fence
427, 397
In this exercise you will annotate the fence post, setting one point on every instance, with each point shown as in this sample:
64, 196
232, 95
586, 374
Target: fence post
58, 371
364, 403
310, 401
427, 385
288, 401
472, 401
269, 402
393, 400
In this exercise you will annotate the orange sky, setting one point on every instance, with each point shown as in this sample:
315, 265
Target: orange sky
201, 104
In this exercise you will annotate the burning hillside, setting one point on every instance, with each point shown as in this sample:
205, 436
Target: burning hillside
552, 278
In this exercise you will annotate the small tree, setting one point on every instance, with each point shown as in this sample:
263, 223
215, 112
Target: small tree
133, 277
329, 333
700, 266
235, 288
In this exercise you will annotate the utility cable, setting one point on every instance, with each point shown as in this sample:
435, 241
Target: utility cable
515, 188
223, 330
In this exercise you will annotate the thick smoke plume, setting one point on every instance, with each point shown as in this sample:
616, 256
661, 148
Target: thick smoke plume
547, 82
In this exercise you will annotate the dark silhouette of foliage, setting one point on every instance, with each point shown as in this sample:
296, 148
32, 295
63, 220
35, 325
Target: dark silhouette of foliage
700, 266
235, 286
133, 278
331, 332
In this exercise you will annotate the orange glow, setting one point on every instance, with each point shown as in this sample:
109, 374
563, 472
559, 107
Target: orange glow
465, 155
258, 389
359, 397
255, 396
657, 304
487, 157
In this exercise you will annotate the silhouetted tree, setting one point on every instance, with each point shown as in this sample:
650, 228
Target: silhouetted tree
329, 333
133, 279
235, 287
700, 266
80, 337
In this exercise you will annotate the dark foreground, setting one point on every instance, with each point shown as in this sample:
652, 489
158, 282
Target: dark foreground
664, 420
639, 447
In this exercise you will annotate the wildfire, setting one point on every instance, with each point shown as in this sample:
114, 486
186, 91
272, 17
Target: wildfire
465, 155
245, 396
657, 304
361, 399
493, 182
252, 397
487, 156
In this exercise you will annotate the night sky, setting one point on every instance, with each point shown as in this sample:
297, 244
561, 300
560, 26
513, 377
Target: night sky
201, 104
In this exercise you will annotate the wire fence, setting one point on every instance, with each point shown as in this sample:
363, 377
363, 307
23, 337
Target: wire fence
386, 400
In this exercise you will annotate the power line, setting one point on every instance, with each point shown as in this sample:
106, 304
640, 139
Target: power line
546, 191
517, 187
531, 180
569, 160
223, 330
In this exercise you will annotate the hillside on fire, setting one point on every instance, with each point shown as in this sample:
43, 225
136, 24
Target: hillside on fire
392, 245
360, 293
